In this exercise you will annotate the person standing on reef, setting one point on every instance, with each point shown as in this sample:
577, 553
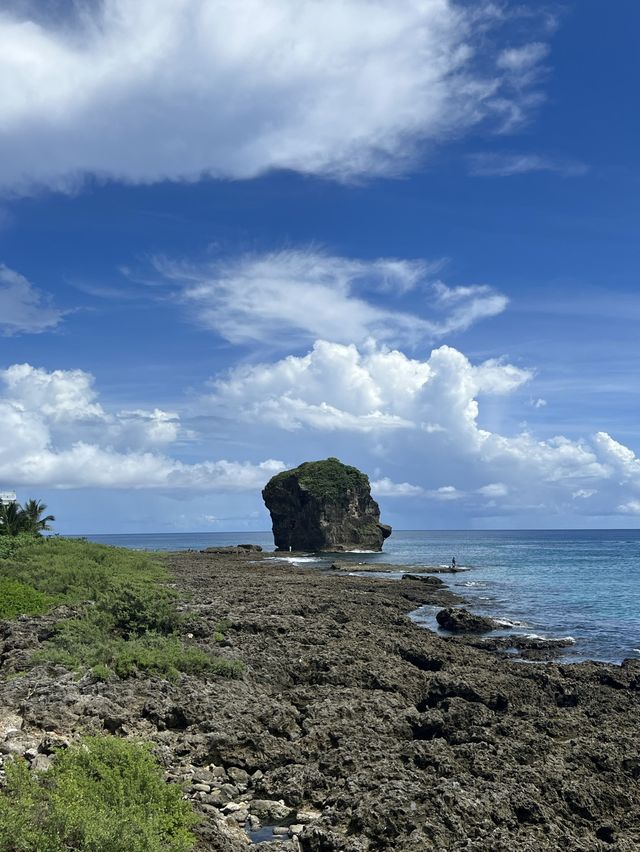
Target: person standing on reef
453, 563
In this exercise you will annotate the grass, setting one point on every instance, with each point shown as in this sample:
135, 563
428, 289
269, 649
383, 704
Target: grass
74, 570
128, 621
103, 795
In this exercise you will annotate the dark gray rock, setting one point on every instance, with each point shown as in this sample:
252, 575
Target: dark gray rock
324, 506
231, 549
390, 737
459, 620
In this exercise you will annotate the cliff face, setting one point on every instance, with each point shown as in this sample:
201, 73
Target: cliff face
324, 505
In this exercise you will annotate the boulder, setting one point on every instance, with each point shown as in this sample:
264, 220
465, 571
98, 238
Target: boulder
459, 620
324, 506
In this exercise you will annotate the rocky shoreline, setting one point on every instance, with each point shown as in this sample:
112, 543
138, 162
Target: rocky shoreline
352, 728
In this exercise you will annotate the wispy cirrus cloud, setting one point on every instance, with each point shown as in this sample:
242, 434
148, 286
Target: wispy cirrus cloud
23, 308
309, 295
156, 90
524, 59
509, 164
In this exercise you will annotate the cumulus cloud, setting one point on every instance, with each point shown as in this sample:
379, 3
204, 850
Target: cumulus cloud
373, 390
506, 165
426, 416
307, 295
159, 89
386, 488
54, 432
23, 308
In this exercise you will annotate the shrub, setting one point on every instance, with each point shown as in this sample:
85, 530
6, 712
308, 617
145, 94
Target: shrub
75, 570
167, 656
132, 627
80, 643
104, 795
135, 609
20, 599
10, 545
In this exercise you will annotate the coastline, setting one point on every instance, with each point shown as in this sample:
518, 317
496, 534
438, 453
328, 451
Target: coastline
584, 584
375, 733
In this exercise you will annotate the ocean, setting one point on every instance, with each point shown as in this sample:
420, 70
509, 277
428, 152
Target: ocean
553, 583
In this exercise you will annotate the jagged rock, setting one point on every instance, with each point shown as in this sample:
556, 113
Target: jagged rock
324, 505
459, 620
268, 809
230, 549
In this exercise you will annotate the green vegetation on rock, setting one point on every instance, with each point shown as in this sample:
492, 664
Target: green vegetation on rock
102, 795
17, 598
126, 620
75, 570
328, 479
90, 643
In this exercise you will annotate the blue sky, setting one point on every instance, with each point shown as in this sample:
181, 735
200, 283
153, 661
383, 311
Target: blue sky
237, 236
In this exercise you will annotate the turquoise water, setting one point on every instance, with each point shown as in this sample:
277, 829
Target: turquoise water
579, 583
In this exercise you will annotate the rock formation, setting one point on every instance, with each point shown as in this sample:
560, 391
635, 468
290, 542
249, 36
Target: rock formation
460, 620
324, 505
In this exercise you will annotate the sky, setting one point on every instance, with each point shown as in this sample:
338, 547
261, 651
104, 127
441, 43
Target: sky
238, 236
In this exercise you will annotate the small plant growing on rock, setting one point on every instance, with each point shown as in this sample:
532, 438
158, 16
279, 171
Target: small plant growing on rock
103, 795
135, 609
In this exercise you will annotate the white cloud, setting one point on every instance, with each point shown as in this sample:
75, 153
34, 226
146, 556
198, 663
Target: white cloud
630, 508
54, 433
160, 89
425, 415
336, 386
23, 308
506, 165
522, 60
622, 460
446, 493
386, 488
306, 295
468, 305
494, 489
61, 395
583, 493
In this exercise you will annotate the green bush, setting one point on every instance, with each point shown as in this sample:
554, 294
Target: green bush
136, 609
11, 544
328, 479
19, 599
74, 570
132, 626
88, 642
167, 656
104, 795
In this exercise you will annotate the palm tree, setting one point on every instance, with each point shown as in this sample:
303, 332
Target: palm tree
34, 521
12, 519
